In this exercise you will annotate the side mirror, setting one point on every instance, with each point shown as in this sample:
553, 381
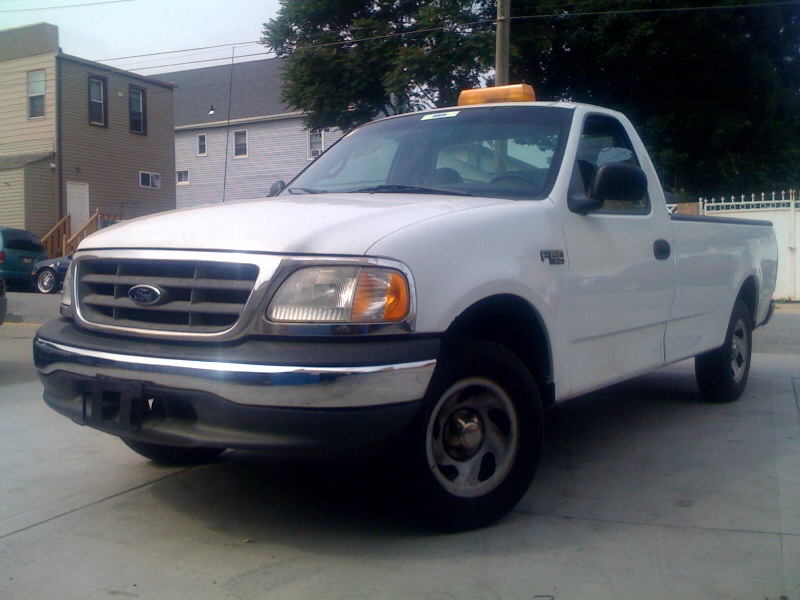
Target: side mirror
623, 182
577, 201
276, 188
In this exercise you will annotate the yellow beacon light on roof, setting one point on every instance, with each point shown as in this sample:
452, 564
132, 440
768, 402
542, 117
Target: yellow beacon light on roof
520, 92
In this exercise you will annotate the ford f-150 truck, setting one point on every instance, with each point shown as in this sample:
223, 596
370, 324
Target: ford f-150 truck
431, 283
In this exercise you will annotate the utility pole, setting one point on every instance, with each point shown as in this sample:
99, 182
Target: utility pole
502, 45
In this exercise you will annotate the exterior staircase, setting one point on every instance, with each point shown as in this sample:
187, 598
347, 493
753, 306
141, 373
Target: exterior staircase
58, 242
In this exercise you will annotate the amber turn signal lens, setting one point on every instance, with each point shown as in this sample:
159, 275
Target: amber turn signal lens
381, 295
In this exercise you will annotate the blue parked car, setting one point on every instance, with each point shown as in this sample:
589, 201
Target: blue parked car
48, 275
3, 301
19, 251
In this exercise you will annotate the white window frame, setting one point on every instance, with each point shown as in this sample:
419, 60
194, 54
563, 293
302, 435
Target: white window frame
246, 148
140, 110
32, 95
102, 102
178, 177
205, 145
312, 153
150, 180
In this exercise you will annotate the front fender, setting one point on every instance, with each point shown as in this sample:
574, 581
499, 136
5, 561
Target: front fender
459, 259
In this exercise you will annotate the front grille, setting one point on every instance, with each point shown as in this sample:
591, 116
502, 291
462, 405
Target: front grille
196, 297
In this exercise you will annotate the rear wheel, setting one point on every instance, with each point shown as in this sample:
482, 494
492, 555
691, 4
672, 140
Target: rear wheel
475, 444
174, 455
722, 373
46, 281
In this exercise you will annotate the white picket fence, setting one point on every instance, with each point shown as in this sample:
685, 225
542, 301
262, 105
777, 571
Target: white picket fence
762, 201
783, 209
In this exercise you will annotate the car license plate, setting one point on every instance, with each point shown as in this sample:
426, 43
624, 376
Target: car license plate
27, 261
114, 405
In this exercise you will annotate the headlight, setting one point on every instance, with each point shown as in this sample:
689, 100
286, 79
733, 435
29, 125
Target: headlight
341, 294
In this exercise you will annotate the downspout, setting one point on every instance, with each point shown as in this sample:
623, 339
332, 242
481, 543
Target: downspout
59, 194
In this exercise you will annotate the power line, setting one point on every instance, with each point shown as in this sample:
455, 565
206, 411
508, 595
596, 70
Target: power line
203, 56
562, 15
194, 62
19, 10
479, 23
178, 51
639, 11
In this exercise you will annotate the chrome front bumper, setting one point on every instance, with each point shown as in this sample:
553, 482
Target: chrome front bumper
248, 384
178, 395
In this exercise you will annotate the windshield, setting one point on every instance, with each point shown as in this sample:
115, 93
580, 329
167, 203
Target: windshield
496, 151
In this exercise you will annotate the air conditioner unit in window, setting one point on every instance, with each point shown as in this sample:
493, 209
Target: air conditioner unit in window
315, 153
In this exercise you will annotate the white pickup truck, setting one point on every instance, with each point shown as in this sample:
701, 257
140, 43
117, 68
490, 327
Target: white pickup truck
431, 283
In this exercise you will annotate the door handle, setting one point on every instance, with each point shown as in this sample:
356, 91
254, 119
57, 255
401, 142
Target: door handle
661, 249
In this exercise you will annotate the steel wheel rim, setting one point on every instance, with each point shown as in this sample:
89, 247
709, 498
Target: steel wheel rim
740, 350
472, 437
46, 281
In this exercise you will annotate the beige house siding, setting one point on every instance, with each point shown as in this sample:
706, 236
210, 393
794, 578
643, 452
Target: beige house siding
41, 208
110, 158
107, 159
12, 209
18, 133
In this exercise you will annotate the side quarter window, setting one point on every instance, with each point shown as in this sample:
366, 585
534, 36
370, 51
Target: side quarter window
604, 141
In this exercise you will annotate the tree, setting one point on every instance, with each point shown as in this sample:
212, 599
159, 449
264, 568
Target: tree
714, 93
348, 61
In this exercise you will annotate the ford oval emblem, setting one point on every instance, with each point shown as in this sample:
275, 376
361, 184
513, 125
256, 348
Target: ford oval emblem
145, 295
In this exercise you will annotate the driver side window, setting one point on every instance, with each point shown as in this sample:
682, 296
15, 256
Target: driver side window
604, 141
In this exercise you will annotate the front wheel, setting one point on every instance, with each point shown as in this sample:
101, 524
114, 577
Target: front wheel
722, 373
474, 447
174, 455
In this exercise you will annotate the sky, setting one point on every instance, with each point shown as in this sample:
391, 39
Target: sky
183, 32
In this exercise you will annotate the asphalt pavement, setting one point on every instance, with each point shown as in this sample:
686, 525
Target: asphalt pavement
643, 492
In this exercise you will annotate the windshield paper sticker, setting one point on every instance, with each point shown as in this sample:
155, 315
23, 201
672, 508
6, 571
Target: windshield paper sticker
443, 115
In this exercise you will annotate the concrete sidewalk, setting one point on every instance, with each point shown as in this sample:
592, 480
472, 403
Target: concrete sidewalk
643, 492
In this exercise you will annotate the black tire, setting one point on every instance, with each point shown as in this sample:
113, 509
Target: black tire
47, 281
473, 448
722, 373
174, 455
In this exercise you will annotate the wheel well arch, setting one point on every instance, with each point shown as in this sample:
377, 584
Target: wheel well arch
512, 322
748, 294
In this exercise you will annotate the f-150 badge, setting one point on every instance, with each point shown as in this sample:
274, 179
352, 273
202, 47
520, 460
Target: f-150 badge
554, 257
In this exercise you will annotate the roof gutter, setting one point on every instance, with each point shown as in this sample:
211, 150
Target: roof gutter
210, 124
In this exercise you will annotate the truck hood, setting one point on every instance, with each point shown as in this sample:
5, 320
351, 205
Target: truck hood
343, 224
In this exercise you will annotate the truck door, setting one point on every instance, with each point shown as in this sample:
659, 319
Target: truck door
621, 273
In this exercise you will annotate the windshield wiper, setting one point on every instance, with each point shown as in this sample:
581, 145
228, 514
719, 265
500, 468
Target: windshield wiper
296, 190
409, 189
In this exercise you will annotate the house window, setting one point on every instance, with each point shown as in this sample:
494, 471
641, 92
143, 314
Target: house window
240, 143
201, 144
98, 101
150, 180
316, 144
36, 94
138, 109
182, 177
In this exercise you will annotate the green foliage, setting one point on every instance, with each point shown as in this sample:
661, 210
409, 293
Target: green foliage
350, 61
714, 93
